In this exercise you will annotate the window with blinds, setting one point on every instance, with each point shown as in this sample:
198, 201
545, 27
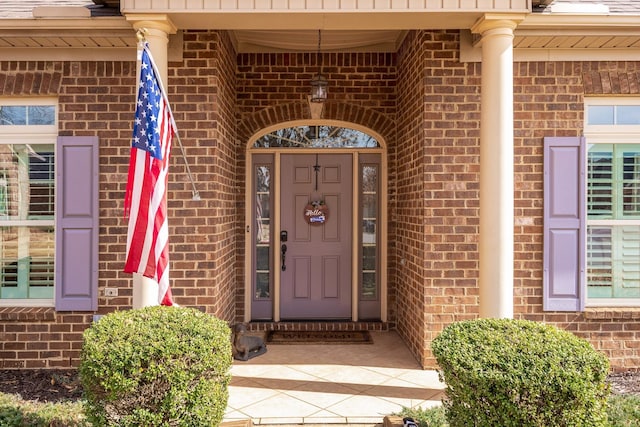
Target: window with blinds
27, 199
613, 222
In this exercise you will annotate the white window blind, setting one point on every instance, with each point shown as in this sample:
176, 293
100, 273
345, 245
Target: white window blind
613, 225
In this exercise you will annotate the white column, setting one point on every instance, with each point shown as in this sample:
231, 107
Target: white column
157, 28
496, 167
156, 31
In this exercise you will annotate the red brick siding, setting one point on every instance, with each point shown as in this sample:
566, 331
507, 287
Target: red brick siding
205, 115
408, 261
97, 98
270, 80
549, 101
436, 218
332, 110
438, 282
29, 78
423, 101
611, 83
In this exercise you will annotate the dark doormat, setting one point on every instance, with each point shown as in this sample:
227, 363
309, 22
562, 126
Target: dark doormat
319, 337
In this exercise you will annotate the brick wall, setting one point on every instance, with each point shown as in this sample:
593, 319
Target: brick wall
436, 218
549, 101
97, 98
205, 83
437, 284
427, 107
360, 79
408, 261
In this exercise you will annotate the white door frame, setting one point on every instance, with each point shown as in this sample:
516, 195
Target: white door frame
250, 215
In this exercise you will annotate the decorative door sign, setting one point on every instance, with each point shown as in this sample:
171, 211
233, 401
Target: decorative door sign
316, 213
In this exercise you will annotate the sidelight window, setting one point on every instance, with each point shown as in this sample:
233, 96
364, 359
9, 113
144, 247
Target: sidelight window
369, 208
370, 246
262, 281
263, 231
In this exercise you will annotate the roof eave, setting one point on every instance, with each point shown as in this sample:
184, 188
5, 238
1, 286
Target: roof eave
98, 24
547, 21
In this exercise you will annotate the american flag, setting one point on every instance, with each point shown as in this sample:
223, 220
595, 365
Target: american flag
146, 196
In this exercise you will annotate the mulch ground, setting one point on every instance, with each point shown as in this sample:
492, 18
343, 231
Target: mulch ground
44, 385
56, 385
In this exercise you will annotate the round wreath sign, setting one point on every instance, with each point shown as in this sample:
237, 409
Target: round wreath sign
316, 213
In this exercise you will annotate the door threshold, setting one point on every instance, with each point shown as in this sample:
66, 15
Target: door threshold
317, 325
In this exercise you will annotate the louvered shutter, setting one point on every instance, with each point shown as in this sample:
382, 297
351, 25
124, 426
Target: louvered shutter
629, 266
600, 206
76, 266
564, 281
613, 195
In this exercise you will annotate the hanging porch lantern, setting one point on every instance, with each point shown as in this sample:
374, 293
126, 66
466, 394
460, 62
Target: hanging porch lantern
319, 88
319, 82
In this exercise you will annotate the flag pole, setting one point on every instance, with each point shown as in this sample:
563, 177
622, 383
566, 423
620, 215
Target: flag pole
145, 290
195, 195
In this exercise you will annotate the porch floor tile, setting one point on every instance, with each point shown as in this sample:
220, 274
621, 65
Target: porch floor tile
316, 384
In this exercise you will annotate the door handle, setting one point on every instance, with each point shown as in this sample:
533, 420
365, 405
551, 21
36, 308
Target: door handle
283, 252
283, 248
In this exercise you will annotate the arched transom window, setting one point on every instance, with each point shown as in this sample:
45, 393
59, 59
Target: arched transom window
316, 136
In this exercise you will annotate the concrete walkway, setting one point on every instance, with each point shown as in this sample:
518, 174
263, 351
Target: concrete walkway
331, 384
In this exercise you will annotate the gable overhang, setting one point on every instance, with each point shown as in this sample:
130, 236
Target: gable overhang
255, 25
66, 39
324, 14
285, 26
567, 37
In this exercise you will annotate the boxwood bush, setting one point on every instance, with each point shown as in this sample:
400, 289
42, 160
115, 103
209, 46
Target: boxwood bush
156, 366
504, 372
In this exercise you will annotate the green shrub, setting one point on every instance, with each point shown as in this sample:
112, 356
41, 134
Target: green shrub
156, 366
503, 372
429, 417
623, 411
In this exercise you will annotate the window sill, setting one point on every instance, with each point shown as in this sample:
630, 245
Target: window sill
610, 313
27, 314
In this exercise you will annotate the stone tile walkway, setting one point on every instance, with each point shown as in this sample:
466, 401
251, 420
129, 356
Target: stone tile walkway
331, 384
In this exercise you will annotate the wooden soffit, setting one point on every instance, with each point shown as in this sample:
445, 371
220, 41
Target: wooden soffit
347, 25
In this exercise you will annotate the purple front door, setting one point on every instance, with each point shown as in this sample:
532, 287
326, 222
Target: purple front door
316, 269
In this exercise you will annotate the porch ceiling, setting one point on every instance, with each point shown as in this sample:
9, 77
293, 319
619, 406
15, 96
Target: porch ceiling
346, 32
307, 40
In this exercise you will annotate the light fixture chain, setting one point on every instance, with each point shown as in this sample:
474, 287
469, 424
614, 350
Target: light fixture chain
319, 82
319, 49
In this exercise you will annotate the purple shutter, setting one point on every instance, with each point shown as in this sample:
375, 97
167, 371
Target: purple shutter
76, 265
564, 224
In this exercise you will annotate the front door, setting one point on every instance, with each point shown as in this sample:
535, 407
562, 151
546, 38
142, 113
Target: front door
316, 206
